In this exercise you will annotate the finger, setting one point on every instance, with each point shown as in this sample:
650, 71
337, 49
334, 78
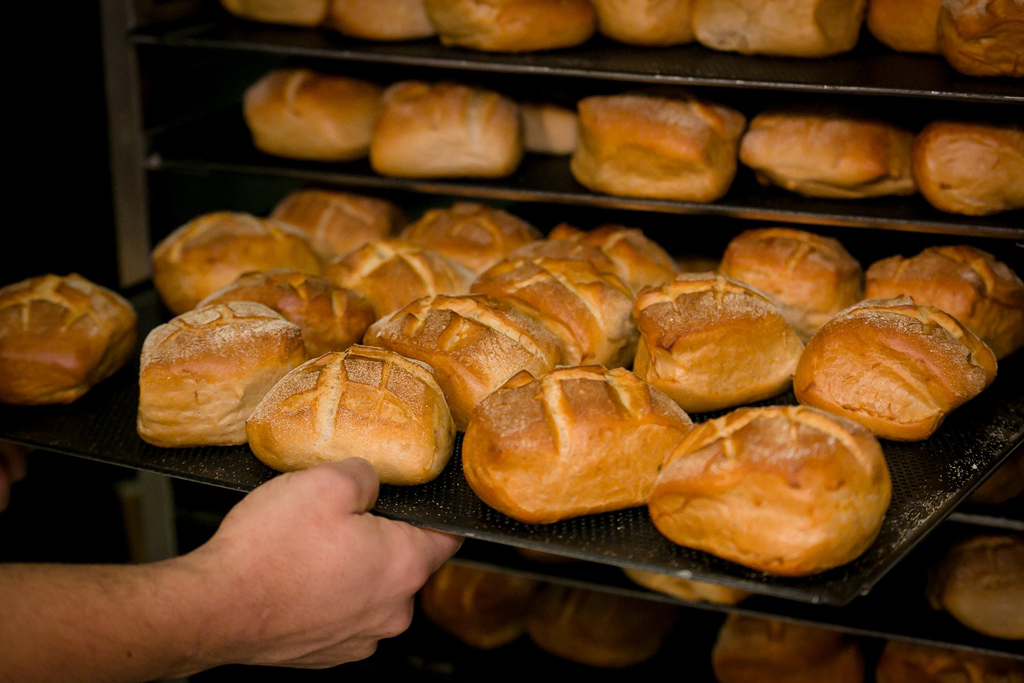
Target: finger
437, 547
361, 483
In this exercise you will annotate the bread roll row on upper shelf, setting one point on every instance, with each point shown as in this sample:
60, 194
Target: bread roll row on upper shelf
977, 37
636, 145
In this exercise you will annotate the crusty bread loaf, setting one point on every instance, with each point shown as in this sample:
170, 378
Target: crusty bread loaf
903, 662
1006, 483
484, 609
784, 28
512, 25
570, 249
596, 628
381, 19
589, 311
361, 403
290, 12
788, 490
549, 129
711, 343
645, 22
211, 250
445, 130
473, 235
301, 114
575, 441
983, 37
59, 337
980, 581
338, 222
906, 25
809, 277
753, 650
975, 169
896, 368
685, 589
393, 273
332, 318
204, 372
473, 343
656, 147
966, 282
820, 152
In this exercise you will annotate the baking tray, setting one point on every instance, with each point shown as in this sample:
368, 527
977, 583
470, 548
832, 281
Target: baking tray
870, 69
221, 143
929, 479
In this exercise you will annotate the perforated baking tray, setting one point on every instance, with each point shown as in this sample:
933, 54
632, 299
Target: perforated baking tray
929, 479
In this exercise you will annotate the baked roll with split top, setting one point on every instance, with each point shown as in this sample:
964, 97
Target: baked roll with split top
983, 37
382, 19
512, 25
645, 22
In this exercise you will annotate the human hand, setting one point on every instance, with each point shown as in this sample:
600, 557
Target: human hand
12, 469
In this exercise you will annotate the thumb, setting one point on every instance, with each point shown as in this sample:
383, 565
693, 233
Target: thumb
355, 481
438, 547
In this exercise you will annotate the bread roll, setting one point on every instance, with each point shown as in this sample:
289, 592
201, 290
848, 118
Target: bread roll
512, 25
598, 629
483, 609
752, 650
809, 277
332, 318
685, 589
641, 146
588, 311
549, 129
896, 368
471, 234
906, 25
912, 663
573, 442
980, 582
445, 131
210, 251
300, 114
711, 343
204, 372
362, 403
338, 222
59, 337
970, 168
983, 37
645, 22
382, 19
571, 249
290, 12
968, 283
784, 28
1006, 483
473, 343
821, 153
393, 273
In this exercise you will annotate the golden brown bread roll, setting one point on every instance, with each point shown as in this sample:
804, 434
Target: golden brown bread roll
549, 129
211, 250
685, 589
752, 650
809, 277
445, 130
204, 372
473, 235
361, 403
382, 19
785, 28
300, 114
823, 153
645, 22
393, 273
332, 318
598, 629
59, 337
512, 25
975, 169
980, 582
906, 25
896, 368
338, 222
590, 312
913, 663
573, 442
1006, 483
290, 12
983, 37
483, 609
968, 283
473, 343
710, 343
641, 146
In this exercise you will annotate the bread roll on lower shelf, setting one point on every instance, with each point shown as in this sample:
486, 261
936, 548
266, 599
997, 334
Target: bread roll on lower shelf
382, 19
983, 37
645, 22
685, 589
59, 337
290, 12
913, 663
512, 25
906, 25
